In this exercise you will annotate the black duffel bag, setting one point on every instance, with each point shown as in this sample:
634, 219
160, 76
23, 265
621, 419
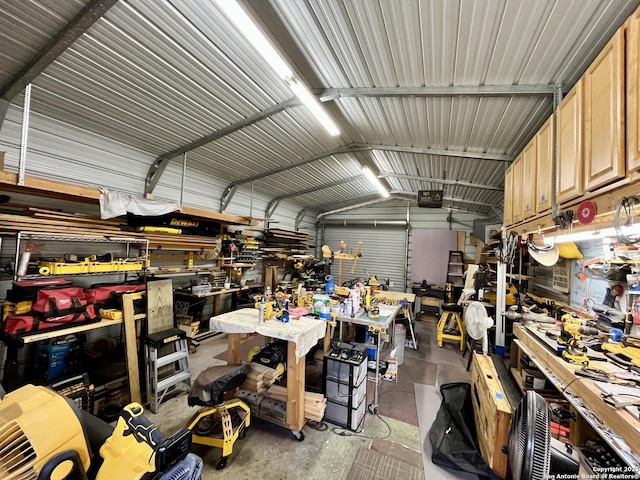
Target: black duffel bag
453, 433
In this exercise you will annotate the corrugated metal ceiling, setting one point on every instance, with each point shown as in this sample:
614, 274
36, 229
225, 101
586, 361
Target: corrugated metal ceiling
160, 75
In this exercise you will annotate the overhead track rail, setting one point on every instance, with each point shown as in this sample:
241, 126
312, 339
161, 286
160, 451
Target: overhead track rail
328, 94
79, 24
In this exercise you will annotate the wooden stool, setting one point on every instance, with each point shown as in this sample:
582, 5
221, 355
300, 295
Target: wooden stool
450, 326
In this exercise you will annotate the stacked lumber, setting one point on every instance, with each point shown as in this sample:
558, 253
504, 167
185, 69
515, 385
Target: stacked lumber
40, 221
314, 403
260, 378
280, 241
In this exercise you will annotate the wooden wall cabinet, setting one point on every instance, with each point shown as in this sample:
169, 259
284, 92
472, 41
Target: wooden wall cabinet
544, 166
528, 192
508, 196
633, 92
604, 138
516, 204
569, 131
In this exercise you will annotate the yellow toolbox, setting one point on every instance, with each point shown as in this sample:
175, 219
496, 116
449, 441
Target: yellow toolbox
111, 313
62, 268
130, 266
104, 267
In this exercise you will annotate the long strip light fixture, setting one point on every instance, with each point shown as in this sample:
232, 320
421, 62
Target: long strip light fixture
630, 230
375, 181
263, 46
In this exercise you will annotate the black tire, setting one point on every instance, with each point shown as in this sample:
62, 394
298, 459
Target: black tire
299, 436
221, 463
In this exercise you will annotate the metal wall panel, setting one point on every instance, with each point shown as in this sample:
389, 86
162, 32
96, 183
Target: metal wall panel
383, 252
67, 153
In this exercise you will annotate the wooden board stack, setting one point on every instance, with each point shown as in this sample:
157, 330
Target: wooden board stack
260, 378
281, 241
314, 403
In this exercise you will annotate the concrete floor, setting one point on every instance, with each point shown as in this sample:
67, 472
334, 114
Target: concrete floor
270, 452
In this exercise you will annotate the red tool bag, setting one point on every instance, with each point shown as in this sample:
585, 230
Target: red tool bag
23, 290
58, 302
24, 324
108, 295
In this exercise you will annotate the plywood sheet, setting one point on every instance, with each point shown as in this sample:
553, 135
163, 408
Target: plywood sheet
159, 305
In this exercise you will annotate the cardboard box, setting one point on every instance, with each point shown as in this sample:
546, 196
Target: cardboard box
391, 375
535, 380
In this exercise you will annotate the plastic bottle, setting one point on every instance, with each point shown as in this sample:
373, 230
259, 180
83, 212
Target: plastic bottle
263, 306
285, 301
267, 293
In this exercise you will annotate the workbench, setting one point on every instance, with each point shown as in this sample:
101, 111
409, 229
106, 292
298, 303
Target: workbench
214, 295
301, 335
379, 326
618, 428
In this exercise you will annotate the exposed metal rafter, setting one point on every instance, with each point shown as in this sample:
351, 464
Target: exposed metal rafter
160, 163
440, 180
444, 152
329, 94
233, 186
351, 207
273, 204
79, 24
230, 191
300, 217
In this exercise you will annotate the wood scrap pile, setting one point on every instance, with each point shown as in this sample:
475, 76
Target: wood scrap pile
260, 378
280, 243
314, 403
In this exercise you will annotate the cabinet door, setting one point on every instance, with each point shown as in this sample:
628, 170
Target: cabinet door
604, 116
544, 166
569, 168
529, 185
633, 93
508, 197
517, 189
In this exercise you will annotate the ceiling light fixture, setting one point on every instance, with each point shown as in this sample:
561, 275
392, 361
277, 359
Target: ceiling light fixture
263, 46
375, 181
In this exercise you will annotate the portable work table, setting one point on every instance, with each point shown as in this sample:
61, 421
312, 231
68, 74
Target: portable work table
618, 427
379, 326
300, 335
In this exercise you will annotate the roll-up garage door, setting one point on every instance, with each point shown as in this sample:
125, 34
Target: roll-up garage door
383, 252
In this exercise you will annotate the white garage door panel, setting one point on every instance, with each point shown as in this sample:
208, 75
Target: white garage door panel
383, 252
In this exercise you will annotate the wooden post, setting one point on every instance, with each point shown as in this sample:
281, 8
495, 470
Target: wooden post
131, 345
233, 348
295, 388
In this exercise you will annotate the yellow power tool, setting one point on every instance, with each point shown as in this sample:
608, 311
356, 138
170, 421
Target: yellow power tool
573, 329
619, 353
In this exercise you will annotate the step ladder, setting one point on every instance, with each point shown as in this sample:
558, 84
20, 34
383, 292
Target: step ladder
455, 270
168, 348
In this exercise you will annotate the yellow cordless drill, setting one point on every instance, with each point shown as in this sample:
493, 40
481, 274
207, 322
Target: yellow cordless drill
573, 329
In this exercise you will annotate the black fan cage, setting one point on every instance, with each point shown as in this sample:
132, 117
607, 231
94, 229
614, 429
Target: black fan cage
529, 439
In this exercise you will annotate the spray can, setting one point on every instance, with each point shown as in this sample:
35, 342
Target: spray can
263, 307
349, 306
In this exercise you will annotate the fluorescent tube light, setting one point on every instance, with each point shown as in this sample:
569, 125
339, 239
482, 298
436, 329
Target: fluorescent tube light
256, 38
375, 181
263, 46
311, 102
593, 234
